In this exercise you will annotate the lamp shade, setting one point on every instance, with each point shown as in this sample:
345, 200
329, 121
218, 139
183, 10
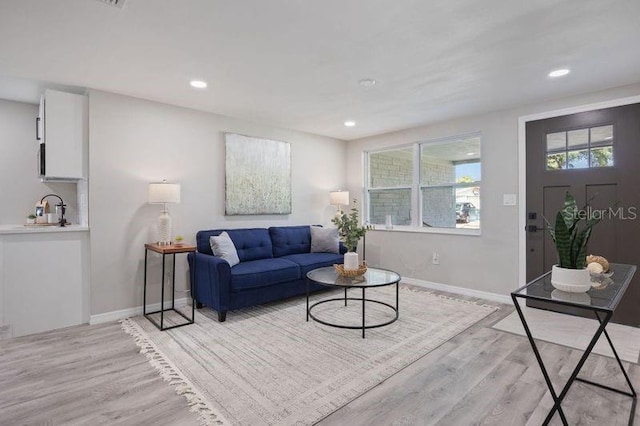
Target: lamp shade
164, 192
339, 198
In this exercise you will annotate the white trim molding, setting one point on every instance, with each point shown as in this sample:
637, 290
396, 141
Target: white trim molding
522, 167
493, 297
132, 312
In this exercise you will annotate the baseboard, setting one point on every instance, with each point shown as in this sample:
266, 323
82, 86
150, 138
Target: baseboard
494, 297
132, 312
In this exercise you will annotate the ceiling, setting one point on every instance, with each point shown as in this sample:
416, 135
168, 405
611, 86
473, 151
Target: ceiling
296, 64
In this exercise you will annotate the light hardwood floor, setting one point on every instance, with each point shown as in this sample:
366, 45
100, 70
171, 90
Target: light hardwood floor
94, 375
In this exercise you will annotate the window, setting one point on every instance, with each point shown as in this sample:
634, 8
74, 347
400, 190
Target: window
580, 149
390, 184
432, 184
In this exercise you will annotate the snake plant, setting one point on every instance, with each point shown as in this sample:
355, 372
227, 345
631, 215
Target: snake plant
571, 234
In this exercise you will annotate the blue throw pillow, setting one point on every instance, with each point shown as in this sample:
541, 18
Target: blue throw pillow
222, 246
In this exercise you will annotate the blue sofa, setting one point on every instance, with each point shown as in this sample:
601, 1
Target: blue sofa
273, 265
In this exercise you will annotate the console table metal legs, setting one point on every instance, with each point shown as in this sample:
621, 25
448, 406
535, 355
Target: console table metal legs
558, 398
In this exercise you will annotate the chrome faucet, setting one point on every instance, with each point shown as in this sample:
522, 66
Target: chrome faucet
62, 205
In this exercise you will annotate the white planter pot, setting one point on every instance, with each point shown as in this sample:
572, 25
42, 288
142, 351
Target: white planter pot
570, 280
351, 261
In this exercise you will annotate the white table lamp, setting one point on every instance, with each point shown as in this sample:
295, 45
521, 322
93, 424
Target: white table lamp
339, 198
163, 193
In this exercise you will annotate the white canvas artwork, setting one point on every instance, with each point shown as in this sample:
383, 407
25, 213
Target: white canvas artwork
258, 176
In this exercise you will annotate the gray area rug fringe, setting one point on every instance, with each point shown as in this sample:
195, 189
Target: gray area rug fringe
207, 415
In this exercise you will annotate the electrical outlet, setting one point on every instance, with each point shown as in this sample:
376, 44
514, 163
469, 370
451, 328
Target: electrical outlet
435, 258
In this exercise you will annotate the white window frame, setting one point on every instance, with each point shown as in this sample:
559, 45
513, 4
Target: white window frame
416, 192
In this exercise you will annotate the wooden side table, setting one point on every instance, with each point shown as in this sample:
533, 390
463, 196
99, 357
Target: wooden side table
164, 250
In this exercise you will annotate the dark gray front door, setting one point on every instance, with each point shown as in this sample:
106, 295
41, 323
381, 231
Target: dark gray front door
596, 156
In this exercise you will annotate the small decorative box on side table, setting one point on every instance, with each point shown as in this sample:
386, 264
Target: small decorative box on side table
164, 250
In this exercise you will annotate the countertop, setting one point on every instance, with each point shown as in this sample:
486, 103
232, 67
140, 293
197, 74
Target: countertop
35, 229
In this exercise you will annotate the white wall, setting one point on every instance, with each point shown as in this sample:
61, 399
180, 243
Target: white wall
134, 142
488, 262
20, 187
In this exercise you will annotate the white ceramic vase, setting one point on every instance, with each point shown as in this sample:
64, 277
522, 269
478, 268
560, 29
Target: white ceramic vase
570, 280
351, 261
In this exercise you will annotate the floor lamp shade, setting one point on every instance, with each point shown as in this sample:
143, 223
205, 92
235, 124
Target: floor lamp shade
163, 193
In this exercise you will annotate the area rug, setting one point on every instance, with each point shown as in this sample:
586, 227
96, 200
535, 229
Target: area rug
266, 365
574, 332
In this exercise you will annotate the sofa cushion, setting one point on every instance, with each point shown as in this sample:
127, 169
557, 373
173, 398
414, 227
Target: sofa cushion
262, 273
311, 261
250, 243
223, 247
324, 240
290, 240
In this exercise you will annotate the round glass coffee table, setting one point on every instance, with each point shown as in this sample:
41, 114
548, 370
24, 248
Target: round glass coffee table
372, 278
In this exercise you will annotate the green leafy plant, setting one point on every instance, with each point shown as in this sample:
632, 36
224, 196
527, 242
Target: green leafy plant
571, 233
31, 216
349, 228
178, 239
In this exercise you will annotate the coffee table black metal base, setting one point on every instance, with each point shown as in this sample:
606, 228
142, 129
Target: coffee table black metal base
373, 277
364, 302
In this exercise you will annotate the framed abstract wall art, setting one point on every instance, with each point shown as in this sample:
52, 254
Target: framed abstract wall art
257, 176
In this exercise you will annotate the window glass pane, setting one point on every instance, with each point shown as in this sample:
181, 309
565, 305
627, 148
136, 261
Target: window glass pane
556, 141
602, 135
468, 207
451, 207
556, 161
446, 162
578, 159
602, 157
394, 202
391, 168
578, 138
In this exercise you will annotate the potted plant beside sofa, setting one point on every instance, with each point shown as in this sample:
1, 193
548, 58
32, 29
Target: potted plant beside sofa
350, 232
571, 234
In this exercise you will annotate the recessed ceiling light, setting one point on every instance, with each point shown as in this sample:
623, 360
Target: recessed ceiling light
470, 153
198, 84
367, 82
349, 123
559, 73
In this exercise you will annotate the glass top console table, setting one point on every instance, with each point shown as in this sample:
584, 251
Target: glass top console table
602, 300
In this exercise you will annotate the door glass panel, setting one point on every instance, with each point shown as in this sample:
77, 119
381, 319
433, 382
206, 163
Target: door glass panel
602, 157
578, 159
557, 161
602, 135
556, 141
578, 138
580, 148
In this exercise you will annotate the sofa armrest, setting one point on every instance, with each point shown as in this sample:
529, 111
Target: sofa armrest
213, 280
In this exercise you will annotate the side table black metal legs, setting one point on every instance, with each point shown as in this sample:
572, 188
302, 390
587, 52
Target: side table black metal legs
162, 309
558, 398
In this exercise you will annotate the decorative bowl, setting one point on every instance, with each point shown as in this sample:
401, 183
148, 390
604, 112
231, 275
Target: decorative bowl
351, 273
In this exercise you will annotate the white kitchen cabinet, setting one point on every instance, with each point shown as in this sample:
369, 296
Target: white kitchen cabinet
64, 126
44, 281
